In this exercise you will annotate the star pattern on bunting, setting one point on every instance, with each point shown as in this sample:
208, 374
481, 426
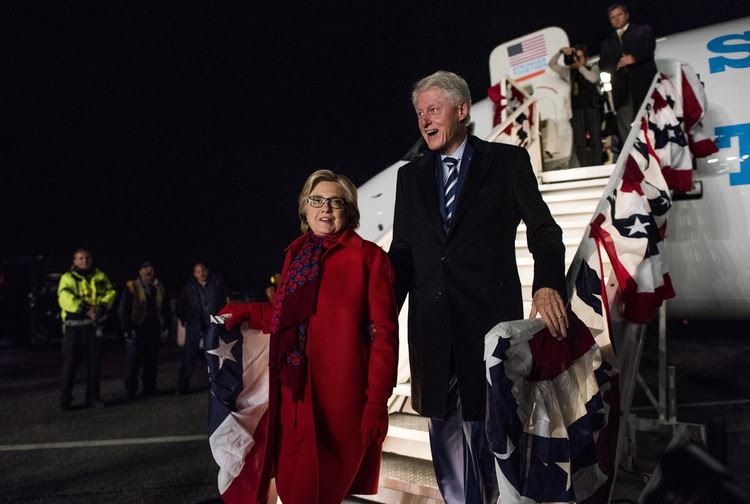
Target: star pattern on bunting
223, 352
638, 227
565, 466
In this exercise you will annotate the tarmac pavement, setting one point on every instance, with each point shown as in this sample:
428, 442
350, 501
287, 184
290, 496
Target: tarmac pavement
147, 450
155, 449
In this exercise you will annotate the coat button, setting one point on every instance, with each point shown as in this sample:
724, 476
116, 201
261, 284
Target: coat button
438, 294
444, 260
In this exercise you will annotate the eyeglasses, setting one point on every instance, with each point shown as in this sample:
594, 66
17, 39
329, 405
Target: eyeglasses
319, 201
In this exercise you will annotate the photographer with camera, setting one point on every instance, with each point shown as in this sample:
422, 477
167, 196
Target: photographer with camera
585, 101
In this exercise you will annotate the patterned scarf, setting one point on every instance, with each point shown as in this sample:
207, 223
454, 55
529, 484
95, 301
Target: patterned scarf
295, 303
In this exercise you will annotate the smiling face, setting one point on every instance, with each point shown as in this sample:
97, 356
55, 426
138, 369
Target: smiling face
618, 17
326, 219
82, 260
441, 122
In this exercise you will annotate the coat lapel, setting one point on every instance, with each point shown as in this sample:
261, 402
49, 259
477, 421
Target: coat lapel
479, 167
425, 177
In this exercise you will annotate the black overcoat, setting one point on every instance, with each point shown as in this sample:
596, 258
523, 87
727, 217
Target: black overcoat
635, 79
463, 282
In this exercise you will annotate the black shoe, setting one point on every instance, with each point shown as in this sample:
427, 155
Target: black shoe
95, 403
64, 406
182, 392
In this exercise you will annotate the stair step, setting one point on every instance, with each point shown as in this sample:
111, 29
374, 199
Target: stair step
574, 176
408, 436
402, 389
410, 476
408, 421
570, 195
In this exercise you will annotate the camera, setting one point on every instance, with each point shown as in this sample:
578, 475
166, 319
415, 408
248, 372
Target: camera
570, 59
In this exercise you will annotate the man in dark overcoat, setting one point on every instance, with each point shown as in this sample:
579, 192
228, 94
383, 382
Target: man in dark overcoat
453, 251
628, 56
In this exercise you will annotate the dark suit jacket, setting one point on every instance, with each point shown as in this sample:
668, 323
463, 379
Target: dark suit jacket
635, 79
463, 282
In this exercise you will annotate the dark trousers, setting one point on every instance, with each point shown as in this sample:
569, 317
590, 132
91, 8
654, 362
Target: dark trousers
81, 343
587, 135
464, 465
143, 349
193, 337
625, 117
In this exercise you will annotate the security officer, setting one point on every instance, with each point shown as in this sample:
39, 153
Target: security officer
85, 296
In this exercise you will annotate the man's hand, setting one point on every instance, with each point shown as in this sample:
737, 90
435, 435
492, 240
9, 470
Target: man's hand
548, 303
91, 313
625, 60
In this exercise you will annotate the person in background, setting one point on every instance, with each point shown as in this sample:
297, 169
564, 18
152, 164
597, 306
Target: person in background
85, 296
585, 101
333, 351
271, 289
628, 55
454, 230
203, 295
144, 319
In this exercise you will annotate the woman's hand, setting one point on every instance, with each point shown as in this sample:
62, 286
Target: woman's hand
374, 423
375, 415
235, 313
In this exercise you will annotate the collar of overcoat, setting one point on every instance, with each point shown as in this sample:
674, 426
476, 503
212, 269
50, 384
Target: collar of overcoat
348, 238
478, 168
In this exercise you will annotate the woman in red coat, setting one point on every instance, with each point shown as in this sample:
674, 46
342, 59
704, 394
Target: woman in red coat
334, 351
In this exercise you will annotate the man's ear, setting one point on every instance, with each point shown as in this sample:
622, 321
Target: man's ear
463, 111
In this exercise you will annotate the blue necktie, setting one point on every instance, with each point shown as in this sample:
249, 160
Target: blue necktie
450, 188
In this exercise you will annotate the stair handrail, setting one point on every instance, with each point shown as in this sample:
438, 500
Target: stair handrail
508, 118
630, 334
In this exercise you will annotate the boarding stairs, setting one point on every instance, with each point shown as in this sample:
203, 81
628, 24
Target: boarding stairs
572, 196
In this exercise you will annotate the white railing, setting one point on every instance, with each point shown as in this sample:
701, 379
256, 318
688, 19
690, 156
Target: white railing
507, 131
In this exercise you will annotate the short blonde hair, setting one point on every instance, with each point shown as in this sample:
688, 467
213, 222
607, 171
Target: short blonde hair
351, 208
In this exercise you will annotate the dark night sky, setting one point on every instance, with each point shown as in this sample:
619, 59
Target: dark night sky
181, 131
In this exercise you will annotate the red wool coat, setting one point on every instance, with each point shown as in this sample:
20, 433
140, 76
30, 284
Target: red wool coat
319, 455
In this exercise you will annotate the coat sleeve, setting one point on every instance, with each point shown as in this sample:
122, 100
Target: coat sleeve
108, 294
125, 309
260, 316
383, 315
67, 298
608, 57
543, 235
643, 45
166, 310
182, 305
257, 314
400, 249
